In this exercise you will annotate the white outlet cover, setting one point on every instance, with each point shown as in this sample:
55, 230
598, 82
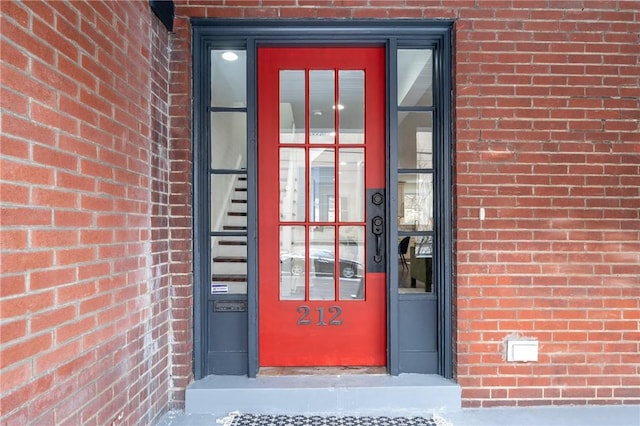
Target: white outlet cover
522, 350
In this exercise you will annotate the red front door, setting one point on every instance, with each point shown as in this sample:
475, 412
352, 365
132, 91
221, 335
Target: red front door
321, 156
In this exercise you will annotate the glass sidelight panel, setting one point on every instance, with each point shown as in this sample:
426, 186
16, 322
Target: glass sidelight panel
322, 255
351, 184
228, 78
227, 172
351, 106
293, 262
351, 262
415, 170
292, 106
228, 265
415, 199
415, 77
228, 140
322, 203
322, 105
228, 202
415, 259
415, 140
292, 184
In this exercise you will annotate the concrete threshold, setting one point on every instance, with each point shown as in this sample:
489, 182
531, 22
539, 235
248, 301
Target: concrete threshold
363, 395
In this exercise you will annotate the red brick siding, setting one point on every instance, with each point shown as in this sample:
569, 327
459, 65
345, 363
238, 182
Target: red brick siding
85, 176
181, 213
547, 142
96, 207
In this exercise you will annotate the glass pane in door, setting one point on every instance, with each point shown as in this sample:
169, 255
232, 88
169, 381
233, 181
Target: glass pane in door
292, 106
351, 262
351, 184
322, 256
292, 184
351, 106
293, 263
322, 201
322, 105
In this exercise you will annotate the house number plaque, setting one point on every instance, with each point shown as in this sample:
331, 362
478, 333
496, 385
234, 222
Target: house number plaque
318, 317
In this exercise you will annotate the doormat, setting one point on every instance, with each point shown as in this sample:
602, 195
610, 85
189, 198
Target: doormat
237, 419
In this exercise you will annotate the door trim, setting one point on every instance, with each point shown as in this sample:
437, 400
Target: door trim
248, 34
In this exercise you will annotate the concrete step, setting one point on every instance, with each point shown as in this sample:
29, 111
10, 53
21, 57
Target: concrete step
379, 394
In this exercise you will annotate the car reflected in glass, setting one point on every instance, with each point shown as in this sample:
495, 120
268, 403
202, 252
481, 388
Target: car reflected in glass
322, 264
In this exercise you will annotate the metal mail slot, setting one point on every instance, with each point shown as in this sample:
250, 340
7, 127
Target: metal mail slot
230, 306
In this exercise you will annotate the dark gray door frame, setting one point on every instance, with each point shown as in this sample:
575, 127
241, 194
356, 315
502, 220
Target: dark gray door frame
394, 34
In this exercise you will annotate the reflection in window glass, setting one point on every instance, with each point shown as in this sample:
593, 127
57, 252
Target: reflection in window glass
293, 263
351, 184
415, 202
292, 184
415, 77
229, 265
292, 107
322, 203
415, 264
322, 105
351, 268
351, 106
228, 78
228, 202
415, 140
322, 254
228, 140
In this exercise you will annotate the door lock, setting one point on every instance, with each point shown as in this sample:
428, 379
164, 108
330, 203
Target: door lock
376, 250
377, 228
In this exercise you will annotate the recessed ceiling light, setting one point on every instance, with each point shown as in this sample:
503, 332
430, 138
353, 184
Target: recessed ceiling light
229, 56
339, 106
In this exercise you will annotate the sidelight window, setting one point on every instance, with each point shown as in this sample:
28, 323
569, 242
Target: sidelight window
228, 172
415, 170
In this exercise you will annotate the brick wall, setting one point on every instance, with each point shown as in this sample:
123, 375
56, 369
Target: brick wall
547, 142
86, 170
181, 213
96, 212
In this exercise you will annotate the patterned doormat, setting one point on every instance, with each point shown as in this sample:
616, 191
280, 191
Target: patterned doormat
237, 419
